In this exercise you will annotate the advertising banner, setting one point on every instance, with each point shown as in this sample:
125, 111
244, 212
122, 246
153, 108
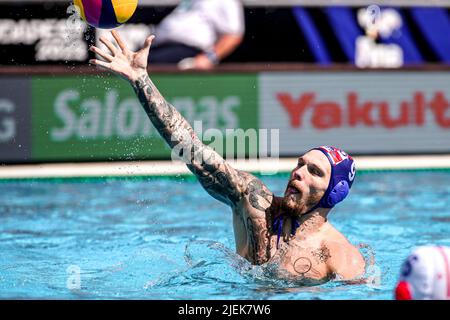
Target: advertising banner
39, 34
100, 118
15, 119
373, 112
83, 118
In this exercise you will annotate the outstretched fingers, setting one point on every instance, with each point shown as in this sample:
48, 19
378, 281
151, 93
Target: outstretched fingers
119, 40
148, 41
101, 53
109, 45
100, 63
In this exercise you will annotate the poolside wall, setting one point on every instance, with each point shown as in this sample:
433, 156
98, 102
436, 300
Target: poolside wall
97, 117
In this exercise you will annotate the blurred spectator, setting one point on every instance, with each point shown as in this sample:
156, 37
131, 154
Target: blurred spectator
425, 275
369, 53
199, 33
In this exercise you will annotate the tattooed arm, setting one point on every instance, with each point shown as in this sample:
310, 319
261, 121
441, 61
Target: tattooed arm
217, 177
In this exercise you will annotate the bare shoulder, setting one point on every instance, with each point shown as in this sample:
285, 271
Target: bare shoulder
345, 259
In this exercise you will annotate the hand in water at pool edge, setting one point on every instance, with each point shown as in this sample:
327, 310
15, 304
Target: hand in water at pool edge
292, 232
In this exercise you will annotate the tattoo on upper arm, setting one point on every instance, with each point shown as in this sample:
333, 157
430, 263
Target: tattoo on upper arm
166, 119
258, 226
258, 194
258, 241
252, 239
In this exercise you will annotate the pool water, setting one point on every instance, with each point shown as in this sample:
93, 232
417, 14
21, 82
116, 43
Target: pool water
166, 238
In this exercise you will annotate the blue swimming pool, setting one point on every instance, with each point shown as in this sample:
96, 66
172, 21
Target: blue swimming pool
165, 238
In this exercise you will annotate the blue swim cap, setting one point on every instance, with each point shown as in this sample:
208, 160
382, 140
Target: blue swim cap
342, 175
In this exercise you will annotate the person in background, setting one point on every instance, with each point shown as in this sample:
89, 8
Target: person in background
198, 34
425, 275
369, 53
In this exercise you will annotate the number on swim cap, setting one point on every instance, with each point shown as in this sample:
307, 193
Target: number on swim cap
351, 174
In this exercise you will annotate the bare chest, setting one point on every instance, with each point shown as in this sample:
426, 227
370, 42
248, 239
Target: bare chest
302, 260
299, 259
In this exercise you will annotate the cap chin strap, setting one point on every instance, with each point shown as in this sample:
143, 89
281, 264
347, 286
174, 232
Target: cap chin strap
278, 223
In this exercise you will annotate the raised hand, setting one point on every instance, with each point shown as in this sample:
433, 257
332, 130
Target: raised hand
122, 61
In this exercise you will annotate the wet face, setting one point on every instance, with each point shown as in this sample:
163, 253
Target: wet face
307, 184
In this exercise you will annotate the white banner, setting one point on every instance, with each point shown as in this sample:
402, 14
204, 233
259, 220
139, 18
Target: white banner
372, 112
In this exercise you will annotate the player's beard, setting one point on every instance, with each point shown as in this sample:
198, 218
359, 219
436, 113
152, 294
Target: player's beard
295, 205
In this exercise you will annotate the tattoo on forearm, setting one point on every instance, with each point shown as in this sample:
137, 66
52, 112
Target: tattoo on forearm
166, 119
218, 179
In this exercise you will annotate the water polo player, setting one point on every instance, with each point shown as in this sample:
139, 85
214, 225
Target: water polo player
292, 230
425, 275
